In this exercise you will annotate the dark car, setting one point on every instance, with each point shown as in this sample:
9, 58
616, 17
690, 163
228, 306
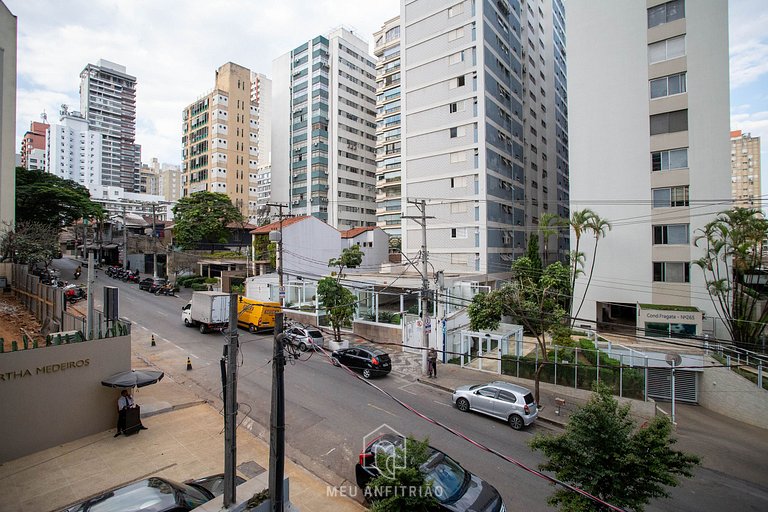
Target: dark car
145, 283
157, 282
157, 494
455, 488
370, 361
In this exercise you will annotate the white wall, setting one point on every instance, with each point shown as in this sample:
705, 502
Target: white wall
7, 117
307, 247
281, 118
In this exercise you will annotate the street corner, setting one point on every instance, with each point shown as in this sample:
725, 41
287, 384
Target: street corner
385, 446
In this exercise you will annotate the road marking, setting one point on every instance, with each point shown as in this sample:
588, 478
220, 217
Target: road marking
383, 410
128, 299
329, 452
443, 403
161, 313
402, 388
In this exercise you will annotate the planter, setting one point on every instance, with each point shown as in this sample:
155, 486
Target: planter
332, 345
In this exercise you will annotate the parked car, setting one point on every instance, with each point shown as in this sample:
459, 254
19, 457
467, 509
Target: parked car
157, 494
509, 402
305, 337
371, 361
145, 283
455, 488
157, 282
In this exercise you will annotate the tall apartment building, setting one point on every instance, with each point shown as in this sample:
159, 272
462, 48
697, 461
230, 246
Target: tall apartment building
33, 147
261, 96
324, 130
388, 128
74, 151
648, 111
485, 128
220, 140
108, 102
745, 170
263, 184
163, 180
7, 118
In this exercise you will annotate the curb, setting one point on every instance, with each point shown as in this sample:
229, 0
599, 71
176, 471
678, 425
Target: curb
434, 385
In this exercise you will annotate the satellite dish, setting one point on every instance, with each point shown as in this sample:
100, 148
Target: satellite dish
673, 359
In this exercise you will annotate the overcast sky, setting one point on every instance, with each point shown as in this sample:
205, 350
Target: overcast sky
173, 48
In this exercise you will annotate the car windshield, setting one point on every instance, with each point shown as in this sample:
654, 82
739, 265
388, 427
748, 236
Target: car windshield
150, 494
315, 334
472, 388
446, 477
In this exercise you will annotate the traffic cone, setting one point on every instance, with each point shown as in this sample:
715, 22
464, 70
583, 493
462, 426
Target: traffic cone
153, 341
189, 364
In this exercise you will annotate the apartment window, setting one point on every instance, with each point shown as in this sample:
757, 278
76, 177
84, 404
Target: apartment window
670, 197
459, 207
671, 272
455, 10
669, 122
670, 234
456, 58
457, 106
668, 85
458, 232
666, 49
456, 34
459, 182
669, 159
458, 82
664, 13
457, 157
458, 131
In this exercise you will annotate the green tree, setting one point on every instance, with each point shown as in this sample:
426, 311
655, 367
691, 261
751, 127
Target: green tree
549, 225
404, 487
203, 217
532, 253
44, 198
533, 299
579, 223
604, 453
351, 257
338, 302
30, 243
733, 244
599, 227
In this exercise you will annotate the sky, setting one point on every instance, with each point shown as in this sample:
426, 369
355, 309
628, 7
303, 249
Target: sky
173, 47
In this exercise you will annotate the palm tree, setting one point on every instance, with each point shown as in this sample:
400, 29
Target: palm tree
549, 225
598, 227
579, 223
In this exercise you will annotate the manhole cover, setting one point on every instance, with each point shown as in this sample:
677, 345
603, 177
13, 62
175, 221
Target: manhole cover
250, 469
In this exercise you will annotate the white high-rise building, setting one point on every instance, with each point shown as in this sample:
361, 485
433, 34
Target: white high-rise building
649, 118
324, 130
261, 96
108, 102
485, 129
74, 152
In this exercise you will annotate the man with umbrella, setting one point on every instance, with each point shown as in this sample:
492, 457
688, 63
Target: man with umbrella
128, 413
125, 407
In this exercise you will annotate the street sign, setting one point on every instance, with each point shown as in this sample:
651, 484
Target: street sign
282, 292
428, 325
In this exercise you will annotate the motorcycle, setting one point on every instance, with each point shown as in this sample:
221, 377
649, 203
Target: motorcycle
134, 277
74, 293
167, 290
78, 271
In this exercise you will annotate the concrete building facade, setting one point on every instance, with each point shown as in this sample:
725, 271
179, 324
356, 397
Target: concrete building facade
221, 142
7, 118
108, 102
485, 128
648, 111
324, 130
73, 151
33, 147
388, 127
745, 170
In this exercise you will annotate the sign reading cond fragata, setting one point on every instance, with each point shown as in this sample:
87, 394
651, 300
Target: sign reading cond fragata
6, 376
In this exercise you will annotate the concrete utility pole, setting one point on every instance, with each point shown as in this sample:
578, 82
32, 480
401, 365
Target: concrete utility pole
154, 245
277, 420
125, 241
277, 236
421, 205
89, 299
230, 405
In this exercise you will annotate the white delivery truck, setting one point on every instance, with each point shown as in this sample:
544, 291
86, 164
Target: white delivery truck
207, 310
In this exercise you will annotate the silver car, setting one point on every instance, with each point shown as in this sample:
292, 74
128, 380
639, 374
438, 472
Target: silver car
305, 338
509, 402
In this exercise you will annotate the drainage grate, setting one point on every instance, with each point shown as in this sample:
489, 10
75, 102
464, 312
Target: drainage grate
250, 469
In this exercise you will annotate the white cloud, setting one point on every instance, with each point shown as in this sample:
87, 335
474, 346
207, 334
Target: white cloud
172, 47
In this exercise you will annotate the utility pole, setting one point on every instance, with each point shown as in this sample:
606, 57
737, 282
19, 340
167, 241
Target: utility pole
230, 405
125, 242
277, 236
89, 299
421, 205
154, 245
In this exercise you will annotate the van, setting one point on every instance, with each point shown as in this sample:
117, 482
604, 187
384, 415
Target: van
256, 315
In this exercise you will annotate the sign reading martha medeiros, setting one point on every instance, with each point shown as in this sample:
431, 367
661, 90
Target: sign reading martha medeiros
42, 370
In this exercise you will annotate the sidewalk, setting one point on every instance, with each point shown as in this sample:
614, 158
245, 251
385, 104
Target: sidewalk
184, 440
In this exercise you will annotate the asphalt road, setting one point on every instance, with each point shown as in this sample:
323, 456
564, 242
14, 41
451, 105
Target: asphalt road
329, 413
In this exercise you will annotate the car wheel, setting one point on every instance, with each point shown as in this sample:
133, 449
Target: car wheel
367, 373
203, 330
516, 422
303, 346
462, 404
251, 328
335, 361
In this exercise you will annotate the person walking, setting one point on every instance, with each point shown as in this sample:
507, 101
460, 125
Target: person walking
432, 363
123, 404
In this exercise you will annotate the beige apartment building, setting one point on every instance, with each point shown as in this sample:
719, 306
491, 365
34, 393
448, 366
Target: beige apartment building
220, 140
745, 170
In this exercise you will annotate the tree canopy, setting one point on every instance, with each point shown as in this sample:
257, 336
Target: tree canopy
733, 245
338, 302
44, 198
351, 257
604, 453
30, 243
203, 217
